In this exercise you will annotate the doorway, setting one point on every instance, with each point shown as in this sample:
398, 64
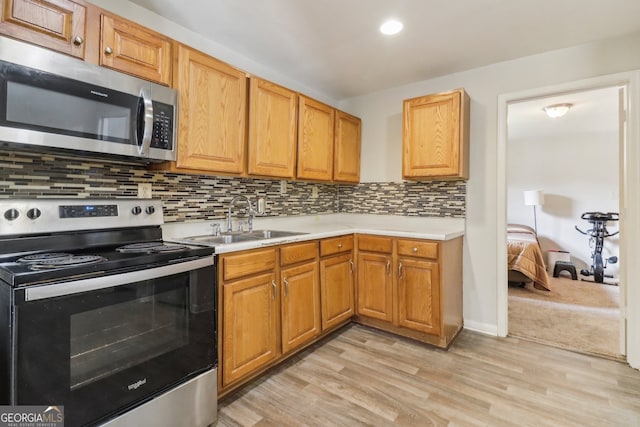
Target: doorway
557, 168
629, 201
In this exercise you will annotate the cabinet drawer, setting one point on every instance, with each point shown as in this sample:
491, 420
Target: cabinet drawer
292, 254
375, 244
247, 263
336, 245
418, 248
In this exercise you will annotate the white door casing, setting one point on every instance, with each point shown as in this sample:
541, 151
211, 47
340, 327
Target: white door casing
629, 199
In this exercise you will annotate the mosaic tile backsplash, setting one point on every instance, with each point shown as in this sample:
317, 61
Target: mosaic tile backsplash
200, 197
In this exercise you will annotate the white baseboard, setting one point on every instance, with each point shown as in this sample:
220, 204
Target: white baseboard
483, 328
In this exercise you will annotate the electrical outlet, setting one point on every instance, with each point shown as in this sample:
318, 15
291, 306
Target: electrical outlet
144, 190
283, 187
314, 192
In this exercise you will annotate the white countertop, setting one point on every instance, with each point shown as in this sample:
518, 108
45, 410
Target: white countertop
322, 226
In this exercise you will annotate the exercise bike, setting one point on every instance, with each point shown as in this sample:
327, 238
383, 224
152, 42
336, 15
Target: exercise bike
597, 234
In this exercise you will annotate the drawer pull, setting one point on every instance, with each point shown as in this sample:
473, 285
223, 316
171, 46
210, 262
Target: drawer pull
108, 50
339, 245
415, 250
78, 40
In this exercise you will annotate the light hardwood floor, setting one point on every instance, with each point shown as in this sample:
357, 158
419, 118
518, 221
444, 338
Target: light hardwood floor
361, 376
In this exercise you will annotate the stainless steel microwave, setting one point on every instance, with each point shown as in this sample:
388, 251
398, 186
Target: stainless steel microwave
51, 102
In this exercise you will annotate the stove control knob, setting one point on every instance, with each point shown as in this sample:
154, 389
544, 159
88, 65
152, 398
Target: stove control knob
136, 210
11, 214
34, 213
150, 210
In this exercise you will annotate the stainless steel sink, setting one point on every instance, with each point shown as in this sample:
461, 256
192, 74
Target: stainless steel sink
272, 234
235, 237
222, 239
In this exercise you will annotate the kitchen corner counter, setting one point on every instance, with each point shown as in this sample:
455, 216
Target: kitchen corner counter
322, 226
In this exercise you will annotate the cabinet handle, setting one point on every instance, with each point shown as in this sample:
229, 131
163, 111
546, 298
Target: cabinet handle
108, 50
388, 267
400, 271
78, 40
286, 286
339, 245
415, 250
351, 266
275, 288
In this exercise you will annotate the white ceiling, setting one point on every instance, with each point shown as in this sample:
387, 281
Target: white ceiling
593, 111
334, 46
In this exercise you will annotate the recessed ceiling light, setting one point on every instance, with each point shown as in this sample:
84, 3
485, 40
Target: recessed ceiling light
390, 27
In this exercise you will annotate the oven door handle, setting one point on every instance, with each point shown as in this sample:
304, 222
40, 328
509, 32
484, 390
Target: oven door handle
85, 285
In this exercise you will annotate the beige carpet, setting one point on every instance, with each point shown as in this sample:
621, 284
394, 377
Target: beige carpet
575, 315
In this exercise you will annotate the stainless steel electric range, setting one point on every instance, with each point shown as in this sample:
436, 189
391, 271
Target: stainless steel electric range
100, 316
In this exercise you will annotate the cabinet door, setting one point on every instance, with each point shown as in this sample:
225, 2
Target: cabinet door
273, 115
249, 326
211, 125
315, 140
136, 50
54, 24
375, 286
432, 138
336, 290
419, 295
346, 166
300, 305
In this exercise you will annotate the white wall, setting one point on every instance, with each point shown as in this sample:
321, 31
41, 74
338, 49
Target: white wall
578, 173
382, 141
151, 20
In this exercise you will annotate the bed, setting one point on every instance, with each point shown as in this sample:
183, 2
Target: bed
524, 257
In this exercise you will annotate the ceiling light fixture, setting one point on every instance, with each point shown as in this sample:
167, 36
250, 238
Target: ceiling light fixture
557, 110
391, 26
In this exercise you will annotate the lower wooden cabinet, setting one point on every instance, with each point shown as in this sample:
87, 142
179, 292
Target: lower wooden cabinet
337, 271
300, 293
277, 300
410, 287
270, 307
250, 322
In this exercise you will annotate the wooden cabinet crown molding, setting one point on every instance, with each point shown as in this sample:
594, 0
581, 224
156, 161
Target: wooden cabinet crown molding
435, 136
59, 25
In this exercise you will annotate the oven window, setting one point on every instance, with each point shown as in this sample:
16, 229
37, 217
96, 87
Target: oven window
110, 339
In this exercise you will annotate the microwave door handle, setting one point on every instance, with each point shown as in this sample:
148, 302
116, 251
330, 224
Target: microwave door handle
145, 122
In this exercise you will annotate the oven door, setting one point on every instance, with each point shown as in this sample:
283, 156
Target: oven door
104, 345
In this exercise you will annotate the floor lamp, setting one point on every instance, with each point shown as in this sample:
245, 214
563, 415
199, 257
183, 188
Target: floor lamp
534, 198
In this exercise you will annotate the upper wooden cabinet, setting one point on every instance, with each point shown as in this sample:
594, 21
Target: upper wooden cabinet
315, 140
136, 50
212, 114
435, 136
273, 115
346, 165
54, 24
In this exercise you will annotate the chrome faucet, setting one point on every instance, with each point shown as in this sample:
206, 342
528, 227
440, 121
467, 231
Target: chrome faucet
250, 212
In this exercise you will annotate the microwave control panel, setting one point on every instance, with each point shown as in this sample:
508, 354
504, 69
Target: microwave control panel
162, 136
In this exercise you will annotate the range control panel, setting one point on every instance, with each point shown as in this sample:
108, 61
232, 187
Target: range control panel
37, 216
88, 211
